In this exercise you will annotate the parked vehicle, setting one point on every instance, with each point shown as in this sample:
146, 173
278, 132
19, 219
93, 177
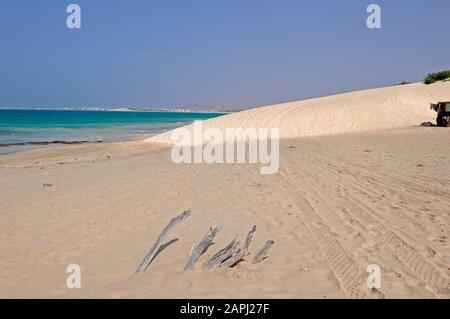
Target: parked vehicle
443, 113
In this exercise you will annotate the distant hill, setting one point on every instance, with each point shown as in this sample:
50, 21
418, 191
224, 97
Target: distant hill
207, 108
190, 108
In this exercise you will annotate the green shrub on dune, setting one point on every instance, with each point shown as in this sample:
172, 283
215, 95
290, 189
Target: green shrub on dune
437, 76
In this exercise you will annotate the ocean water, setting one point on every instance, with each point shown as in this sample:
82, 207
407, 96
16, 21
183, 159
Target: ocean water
25, 126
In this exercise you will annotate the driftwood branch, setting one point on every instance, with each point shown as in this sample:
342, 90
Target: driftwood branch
261, 255
223, 254
155, 248
241, 253
198, 250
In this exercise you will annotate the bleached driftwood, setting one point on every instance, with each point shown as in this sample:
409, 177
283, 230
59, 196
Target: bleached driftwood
241, 253
223, 254
198, 250
154, 250
261, 255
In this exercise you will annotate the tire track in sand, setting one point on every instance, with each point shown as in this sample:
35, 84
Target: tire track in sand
349, 276
406, 254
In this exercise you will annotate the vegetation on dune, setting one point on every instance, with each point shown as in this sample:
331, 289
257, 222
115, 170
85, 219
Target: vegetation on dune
403, 83
437, 76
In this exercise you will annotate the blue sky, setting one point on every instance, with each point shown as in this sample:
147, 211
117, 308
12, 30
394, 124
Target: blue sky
223, 52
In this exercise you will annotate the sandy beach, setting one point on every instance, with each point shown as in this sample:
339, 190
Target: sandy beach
360, 182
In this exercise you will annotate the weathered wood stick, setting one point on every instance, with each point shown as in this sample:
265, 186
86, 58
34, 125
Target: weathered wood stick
261, 255
198, 250
241, 253
154, 250
223, 254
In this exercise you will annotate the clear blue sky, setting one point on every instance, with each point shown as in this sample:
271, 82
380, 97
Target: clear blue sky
224, 52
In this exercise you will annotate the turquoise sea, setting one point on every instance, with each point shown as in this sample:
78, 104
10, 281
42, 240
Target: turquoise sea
31, 126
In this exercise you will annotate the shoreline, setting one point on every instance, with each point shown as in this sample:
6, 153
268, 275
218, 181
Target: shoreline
36, 143
13, 148
33, 128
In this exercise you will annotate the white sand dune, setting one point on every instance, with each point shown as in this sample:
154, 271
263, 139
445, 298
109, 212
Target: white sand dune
376, 109
360, 183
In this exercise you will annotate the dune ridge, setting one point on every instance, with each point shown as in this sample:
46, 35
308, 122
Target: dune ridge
368, 110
